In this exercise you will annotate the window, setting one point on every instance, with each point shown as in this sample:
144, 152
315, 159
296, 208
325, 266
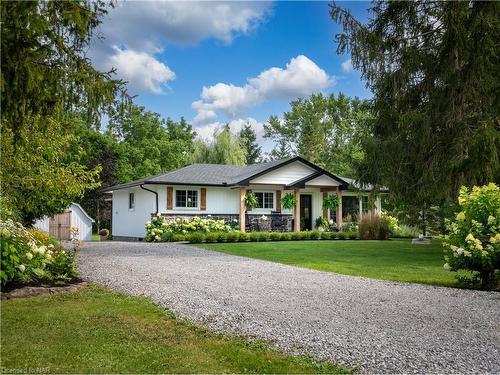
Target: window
265, 199
364, 203
186, 198
131, 201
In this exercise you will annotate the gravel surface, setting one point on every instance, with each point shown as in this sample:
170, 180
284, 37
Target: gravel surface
385, 327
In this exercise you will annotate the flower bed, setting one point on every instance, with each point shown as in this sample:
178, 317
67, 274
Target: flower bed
160, 229
31, 256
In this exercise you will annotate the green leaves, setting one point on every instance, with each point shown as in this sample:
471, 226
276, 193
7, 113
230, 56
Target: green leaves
288, 201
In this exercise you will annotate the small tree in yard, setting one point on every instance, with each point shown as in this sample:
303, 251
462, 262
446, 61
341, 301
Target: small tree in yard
473, 242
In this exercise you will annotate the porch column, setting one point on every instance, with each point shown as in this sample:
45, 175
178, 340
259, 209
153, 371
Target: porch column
325, 210
360, 200
339, 209
296, 213
243, 192
378, 205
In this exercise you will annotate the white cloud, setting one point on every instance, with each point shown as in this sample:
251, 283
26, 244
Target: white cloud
144, 28
142, 71
347, 66
301, 77
206, 132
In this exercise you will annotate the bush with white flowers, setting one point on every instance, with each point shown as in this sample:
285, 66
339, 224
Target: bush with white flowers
31, 256
473, 239
161, 229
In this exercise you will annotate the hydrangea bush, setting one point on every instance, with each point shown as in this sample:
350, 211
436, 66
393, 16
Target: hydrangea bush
473, 239
29, 255
160, 229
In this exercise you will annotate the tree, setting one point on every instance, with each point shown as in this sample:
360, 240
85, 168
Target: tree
224, 149
433, 68
148, 144
248, 139
324, 130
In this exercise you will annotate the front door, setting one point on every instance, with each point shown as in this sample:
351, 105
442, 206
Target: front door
305, 212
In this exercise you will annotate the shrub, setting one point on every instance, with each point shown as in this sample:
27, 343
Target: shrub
195, 237
406, 231
166, 237
327, 235
275, 236
178, 237
373, 227
104, 232
314, 235
243, 237
285, 236
392, 222
254, 236
296, 236
341, 235
352, 235
473, 239
232, 236
305, 235
221, 236
28, 256
157, 228
263, 236
211, 237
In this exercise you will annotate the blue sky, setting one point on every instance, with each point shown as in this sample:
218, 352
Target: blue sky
238, 52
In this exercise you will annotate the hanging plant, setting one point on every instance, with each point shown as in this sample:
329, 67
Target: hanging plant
251, 200
288, 201
331, 202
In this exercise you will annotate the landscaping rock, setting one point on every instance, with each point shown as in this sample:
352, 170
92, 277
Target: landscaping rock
32, 291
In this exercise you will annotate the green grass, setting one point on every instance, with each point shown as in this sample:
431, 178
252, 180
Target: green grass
95, 330
397, 260
96, 237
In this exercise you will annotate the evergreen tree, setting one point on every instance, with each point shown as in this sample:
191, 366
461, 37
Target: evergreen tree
433, 68
248, 141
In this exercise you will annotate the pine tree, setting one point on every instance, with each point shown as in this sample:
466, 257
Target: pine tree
248, 139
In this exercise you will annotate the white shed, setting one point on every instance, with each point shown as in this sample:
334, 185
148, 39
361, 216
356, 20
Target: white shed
59, 225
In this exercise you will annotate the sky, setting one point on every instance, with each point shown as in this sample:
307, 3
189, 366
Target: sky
225, 62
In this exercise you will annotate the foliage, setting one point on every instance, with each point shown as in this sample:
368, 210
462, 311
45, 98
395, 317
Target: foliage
148, 144
160, 229
324, 130
405, 231
331, 202
42, 174
104, 232
225, 148
322, 222
373, 227
392, 222
473, 242
31, 256
45, 70
248, 139
251, 200
288, 201
433, 68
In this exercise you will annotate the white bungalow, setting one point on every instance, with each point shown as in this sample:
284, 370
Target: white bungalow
218, 191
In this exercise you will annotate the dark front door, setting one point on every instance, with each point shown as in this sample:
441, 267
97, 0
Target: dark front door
306, 212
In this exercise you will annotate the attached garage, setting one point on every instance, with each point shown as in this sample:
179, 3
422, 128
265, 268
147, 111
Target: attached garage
59, 226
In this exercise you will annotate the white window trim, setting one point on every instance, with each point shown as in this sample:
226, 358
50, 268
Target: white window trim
197, 208
273, 208
128, 203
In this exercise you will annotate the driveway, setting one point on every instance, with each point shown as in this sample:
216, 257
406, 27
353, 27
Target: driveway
383, 326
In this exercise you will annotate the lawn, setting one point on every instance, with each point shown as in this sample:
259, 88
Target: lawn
397, 260
96, 330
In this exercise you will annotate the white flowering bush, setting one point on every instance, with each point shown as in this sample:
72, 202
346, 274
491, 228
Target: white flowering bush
392, 221
473, 239
160, 229
29, 255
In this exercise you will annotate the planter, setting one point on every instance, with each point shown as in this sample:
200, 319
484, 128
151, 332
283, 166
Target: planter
103, 238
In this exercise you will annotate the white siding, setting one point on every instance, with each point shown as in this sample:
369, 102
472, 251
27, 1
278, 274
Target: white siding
130, 223
322, 180
80, 219
285, 175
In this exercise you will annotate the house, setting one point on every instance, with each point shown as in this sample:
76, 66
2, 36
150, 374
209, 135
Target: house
59, 226
218, 191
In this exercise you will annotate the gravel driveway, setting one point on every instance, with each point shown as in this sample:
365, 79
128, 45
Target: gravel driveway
385, 327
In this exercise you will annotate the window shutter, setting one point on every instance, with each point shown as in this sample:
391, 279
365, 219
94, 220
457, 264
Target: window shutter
203, 204
278, 201
170, 196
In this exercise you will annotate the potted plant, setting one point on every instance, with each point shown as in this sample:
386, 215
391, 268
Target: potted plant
331, 202
104, 233
322, 224
251, 201
288, 201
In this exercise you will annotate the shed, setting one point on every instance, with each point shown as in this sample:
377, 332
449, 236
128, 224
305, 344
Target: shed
59, 225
